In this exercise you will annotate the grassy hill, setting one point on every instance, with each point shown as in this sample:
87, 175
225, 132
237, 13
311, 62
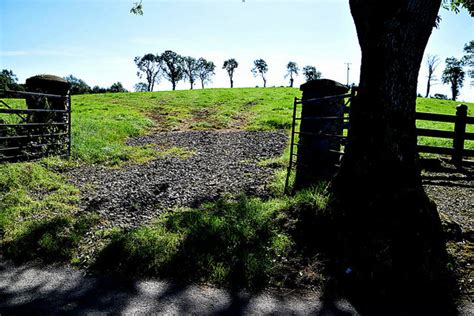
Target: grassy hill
102, 122
39, 216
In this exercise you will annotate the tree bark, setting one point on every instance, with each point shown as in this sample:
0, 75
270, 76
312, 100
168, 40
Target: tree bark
386, 228
428, 86
291, 82
231, 82
454, 89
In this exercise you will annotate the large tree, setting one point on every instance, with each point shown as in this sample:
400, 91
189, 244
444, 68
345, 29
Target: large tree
260, 67
117, 87
205, 70
432, 61
141, 87
453, 75
149, 66
468, 59
311, 73
230, 65
386, 229
8, 80
173, 68
78, 86
191, 68
291, 69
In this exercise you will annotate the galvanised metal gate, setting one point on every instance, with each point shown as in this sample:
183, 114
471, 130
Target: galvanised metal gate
32, 133
297, 143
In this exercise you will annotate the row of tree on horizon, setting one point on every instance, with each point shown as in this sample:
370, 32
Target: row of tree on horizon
174, 68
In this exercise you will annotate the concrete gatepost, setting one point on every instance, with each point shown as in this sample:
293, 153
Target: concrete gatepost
317, 154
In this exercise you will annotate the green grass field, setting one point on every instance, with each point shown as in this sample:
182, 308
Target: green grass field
441, 107
39, 214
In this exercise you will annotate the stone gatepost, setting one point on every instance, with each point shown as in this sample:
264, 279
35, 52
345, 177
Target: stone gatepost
317, 151
47, 84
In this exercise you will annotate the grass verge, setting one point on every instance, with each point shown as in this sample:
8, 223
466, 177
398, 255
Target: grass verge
38, 217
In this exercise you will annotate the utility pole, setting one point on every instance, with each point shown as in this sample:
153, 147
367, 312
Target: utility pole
348, 69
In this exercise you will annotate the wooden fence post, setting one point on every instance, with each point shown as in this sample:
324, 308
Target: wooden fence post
459, 133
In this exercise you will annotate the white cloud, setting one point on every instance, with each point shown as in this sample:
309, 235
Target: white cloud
14, 53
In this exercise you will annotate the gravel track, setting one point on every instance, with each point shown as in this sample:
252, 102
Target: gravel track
223, 162
453, 192
218, 163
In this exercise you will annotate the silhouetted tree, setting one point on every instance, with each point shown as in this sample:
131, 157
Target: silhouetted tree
205, 70
97, 89
260, 67
172, 66
150, 66
141, 87
8, 80
78, 86
387, 229
468, 59
230, 65
432, 61
311, 73
191, 68
291, 69
453, 74
117, 87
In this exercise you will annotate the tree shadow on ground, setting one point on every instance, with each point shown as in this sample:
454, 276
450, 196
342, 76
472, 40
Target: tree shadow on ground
50, 239
228, 243
377, 260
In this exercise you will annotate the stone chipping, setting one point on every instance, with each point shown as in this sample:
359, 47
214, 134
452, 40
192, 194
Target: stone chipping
216, 163
226, 162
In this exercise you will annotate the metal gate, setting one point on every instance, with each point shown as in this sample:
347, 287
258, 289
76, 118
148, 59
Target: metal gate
296, 145
33, 133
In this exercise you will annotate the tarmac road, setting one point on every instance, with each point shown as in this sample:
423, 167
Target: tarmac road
34, 289
52, 290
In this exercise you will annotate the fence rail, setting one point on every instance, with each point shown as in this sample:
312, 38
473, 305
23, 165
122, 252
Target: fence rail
458, 135
37, 132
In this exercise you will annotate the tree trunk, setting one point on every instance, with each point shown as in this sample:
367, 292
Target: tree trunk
386, 228
454, 89
264, 82
291, 82
428, 86
231, 82
174, 84
202, 83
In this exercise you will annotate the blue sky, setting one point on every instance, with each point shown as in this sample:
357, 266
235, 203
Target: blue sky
96, 40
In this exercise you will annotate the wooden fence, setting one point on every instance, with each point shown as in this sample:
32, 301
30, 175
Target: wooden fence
459, 135
34, 133
457, 152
